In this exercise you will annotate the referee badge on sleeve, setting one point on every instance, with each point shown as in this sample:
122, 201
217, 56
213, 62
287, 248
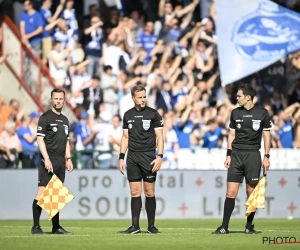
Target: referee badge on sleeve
255, 125
66, 130
146, 124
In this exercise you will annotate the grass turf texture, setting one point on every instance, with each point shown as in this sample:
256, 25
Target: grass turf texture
176, 234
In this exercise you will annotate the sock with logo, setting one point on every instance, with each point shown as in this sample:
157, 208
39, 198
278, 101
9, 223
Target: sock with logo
228, 209
136, 207
250, 219
36, 212
150, 209
55, 222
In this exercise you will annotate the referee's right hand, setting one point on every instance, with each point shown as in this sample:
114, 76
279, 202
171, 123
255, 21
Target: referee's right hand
227, 162
48, 165
122, 166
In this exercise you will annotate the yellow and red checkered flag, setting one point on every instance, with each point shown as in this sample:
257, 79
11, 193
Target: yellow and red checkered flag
257, 198
55, 197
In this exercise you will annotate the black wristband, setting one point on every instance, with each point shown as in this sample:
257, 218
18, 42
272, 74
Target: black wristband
228, 152
121, 156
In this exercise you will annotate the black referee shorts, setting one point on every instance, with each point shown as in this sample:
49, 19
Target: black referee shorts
138, 166
244, 164
59, 168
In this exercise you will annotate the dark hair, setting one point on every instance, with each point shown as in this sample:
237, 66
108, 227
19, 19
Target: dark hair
247, 90
96, 77
119, 117
210, 121
56, 42
107, 67
137, 88
31, 2
12, 101
92, 6
56, 90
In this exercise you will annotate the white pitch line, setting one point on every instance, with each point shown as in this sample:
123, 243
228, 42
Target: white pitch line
172, 228
42, 235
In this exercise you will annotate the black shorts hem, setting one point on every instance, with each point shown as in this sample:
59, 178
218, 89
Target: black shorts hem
150, 181
252, 183
135, 180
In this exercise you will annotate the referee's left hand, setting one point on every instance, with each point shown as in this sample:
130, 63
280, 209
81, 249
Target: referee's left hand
266, 164
69, 165
157, 164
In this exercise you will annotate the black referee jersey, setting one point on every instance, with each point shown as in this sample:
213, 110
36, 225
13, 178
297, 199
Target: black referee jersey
55, 130
248, 126
141, 126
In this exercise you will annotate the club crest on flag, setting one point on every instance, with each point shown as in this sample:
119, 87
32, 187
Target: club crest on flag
267, 33
253, 34
146, 124
255, 125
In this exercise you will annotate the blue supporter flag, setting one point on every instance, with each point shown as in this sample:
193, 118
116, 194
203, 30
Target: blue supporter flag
252, 35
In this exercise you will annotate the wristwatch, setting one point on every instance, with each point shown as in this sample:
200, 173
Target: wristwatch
161, 155
267, 155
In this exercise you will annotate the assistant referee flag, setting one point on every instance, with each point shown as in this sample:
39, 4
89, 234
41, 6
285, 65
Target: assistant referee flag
257, 198
55, 197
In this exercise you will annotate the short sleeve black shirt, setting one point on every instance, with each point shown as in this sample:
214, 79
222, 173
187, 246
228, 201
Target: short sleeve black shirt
55, 130
248, 126
141, 126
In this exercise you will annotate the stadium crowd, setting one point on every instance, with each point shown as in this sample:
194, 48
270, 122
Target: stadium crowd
173, 54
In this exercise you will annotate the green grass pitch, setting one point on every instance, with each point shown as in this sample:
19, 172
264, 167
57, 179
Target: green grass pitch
176, 234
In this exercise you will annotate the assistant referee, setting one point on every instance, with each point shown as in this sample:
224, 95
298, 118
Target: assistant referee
53, 142
248, 123
142, 127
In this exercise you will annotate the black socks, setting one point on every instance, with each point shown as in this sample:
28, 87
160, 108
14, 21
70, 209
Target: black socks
136, 206
150, 209
250, 219
228, 208
55, 222
36, 212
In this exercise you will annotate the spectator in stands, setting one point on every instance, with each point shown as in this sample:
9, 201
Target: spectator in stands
105, 132
112, 22
69, 15
80, 80
65, 36
93, 96
93, 12
164, 97
147, 40
184, 127
287, 120
115, 140
110, 89
214, 135
207, 30
50, 21
27, 138
31, 26
12, 112
57, 60
10, 146
171, 145
85, 141
93, 51
275, 131
294, 93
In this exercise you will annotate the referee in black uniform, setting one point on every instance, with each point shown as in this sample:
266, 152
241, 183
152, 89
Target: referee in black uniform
142, 127
53, 141
247, 125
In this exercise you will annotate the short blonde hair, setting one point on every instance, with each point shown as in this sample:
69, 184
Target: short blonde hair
9, 124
